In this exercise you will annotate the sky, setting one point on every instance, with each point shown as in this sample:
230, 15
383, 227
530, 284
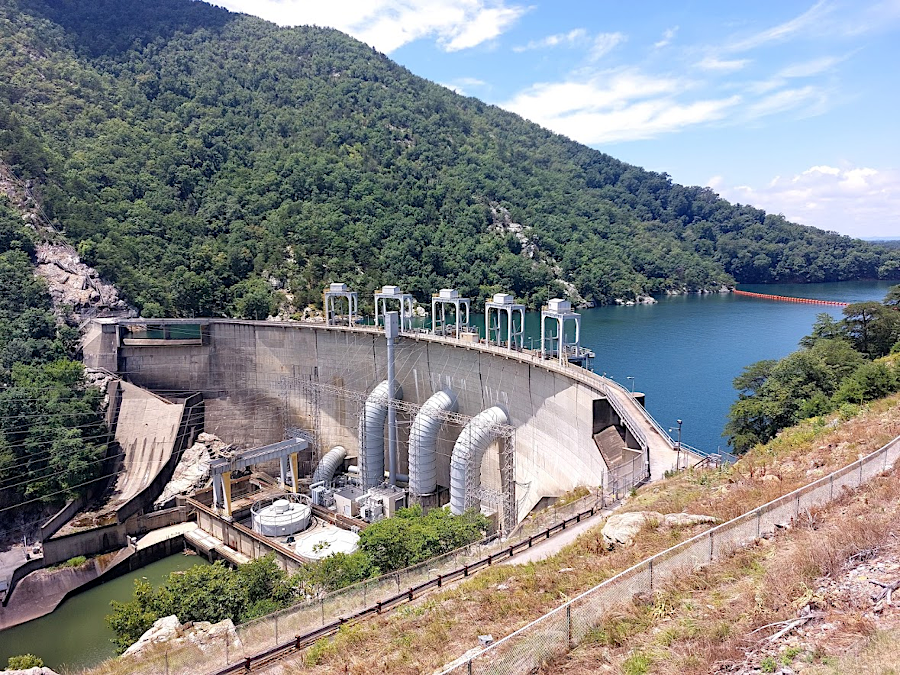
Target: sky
789, 106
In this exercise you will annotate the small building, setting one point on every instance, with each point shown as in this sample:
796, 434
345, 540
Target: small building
346, 501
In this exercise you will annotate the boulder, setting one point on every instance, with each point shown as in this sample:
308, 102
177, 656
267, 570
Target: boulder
162, 630
622, 528
75, 286
173, 633
192, 471
31, 671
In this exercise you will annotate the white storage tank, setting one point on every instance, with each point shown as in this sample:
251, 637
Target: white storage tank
280, 517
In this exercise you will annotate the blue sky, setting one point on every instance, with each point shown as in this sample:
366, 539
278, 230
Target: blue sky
789, 106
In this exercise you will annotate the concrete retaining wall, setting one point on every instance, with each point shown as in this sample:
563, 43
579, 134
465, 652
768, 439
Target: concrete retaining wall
61, 517
245, 541
87, 543
250, 374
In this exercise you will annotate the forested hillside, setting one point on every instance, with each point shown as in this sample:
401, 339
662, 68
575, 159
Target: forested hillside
52, 438
200, 158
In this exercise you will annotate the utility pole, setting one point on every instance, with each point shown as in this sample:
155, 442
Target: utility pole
678, 456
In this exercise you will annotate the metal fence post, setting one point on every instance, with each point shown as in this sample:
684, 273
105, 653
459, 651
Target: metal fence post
651, 573
276, 629
322, 607
831, 488
860, 472
758, 522
710, 546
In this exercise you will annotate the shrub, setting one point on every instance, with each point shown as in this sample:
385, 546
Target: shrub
24, 661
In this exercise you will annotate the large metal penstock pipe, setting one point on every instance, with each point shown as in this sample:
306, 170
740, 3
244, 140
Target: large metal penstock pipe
329, 464
371, 442
465, 462
423, 442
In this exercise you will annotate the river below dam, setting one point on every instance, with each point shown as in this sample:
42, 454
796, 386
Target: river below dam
682, 352
76, 636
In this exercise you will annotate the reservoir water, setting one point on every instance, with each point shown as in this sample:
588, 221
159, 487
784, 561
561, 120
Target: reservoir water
682, 352
76, 635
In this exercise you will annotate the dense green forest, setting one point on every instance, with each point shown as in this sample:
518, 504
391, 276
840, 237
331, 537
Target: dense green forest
52, 439
841, 363
216, 592
201, 159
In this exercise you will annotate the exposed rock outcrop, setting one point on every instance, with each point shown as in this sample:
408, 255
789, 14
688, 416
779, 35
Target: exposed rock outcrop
622, 528
76, 286
31, 671
202, 634
192, 472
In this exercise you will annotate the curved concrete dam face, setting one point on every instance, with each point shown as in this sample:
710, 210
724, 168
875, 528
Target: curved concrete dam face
260, 378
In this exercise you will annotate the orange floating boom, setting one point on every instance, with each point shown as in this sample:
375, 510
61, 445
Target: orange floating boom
786, 298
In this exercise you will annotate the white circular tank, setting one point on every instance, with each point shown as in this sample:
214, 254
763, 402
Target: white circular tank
279, 518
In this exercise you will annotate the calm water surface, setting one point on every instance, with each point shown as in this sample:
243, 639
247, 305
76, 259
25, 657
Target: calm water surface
684, 351
75, 635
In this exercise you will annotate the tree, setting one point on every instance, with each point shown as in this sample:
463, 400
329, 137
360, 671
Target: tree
892, 299
824, 328
870, 381
254, 299
872, 327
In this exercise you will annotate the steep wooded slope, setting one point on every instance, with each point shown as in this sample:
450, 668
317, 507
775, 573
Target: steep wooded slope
197, 157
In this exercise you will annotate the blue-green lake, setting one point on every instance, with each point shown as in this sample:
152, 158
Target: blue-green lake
684, 351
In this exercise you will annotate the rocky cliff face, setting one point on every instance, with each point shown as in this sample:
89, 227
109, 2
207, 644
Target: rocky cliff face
76, 289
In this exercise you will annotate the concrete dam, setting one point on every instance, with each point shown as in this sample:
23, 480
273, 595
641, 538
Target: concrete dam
263, 381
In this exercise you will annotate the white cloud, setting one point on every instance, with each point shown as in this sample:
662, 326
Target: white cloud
599, 45
616, 106
570, 39
810, 98
605, 43
668, 36
722, 65
809, 68
810, 18
387, 25
859, 201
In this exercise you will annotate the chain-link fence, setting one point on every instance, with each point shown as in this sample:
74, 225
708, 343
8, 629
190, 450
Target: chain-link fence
557, 632
253, 638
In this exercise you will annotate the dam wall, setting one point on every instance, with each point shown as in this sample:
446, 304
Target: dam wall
258, 379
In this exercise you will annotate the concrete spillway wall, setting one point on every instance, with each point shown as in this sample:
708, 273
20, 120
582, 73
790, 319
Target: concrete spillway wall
251, 375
